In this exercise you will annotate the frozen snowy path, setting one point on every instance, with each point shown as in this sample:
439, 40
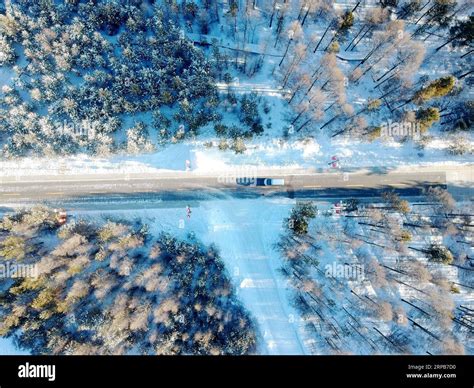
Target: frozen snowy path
245, 232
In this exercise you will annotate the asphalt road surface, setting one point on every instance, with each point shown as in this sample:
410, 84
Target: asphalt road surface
297, 184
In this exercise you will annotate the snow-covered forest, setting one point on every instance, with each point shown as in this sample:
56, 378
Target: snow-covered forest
385, 278
114, 288
103, 77
140, 119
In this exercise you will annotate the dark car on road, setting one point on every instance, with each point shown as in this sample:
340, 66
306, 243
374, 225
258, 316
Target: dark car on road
260, 182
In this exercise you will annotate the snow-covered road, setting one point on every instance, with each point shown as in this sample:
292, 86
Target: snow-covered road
246, 232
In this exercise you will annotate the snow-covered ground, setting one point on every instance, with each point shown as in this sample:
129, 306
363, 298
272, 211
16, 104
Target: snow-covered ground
247, 248
7, 348
263, 153
245, 232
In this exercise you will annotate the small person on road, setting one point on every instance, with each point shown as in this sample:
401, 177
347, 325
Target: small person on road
188, 211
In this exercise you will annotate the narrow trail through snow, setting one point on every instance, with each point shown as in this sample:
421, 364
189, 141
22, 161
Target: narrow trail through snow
247, 248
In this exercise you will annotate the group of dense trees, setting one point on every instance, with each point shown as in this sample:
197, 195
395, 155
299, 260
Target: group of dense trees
92, 64
112, 288
320, 69
247, 110
388, 277
105, 68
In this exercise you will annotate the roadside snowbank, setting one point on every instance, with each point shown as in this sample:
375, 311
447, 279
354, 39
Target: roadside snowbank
262, 153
